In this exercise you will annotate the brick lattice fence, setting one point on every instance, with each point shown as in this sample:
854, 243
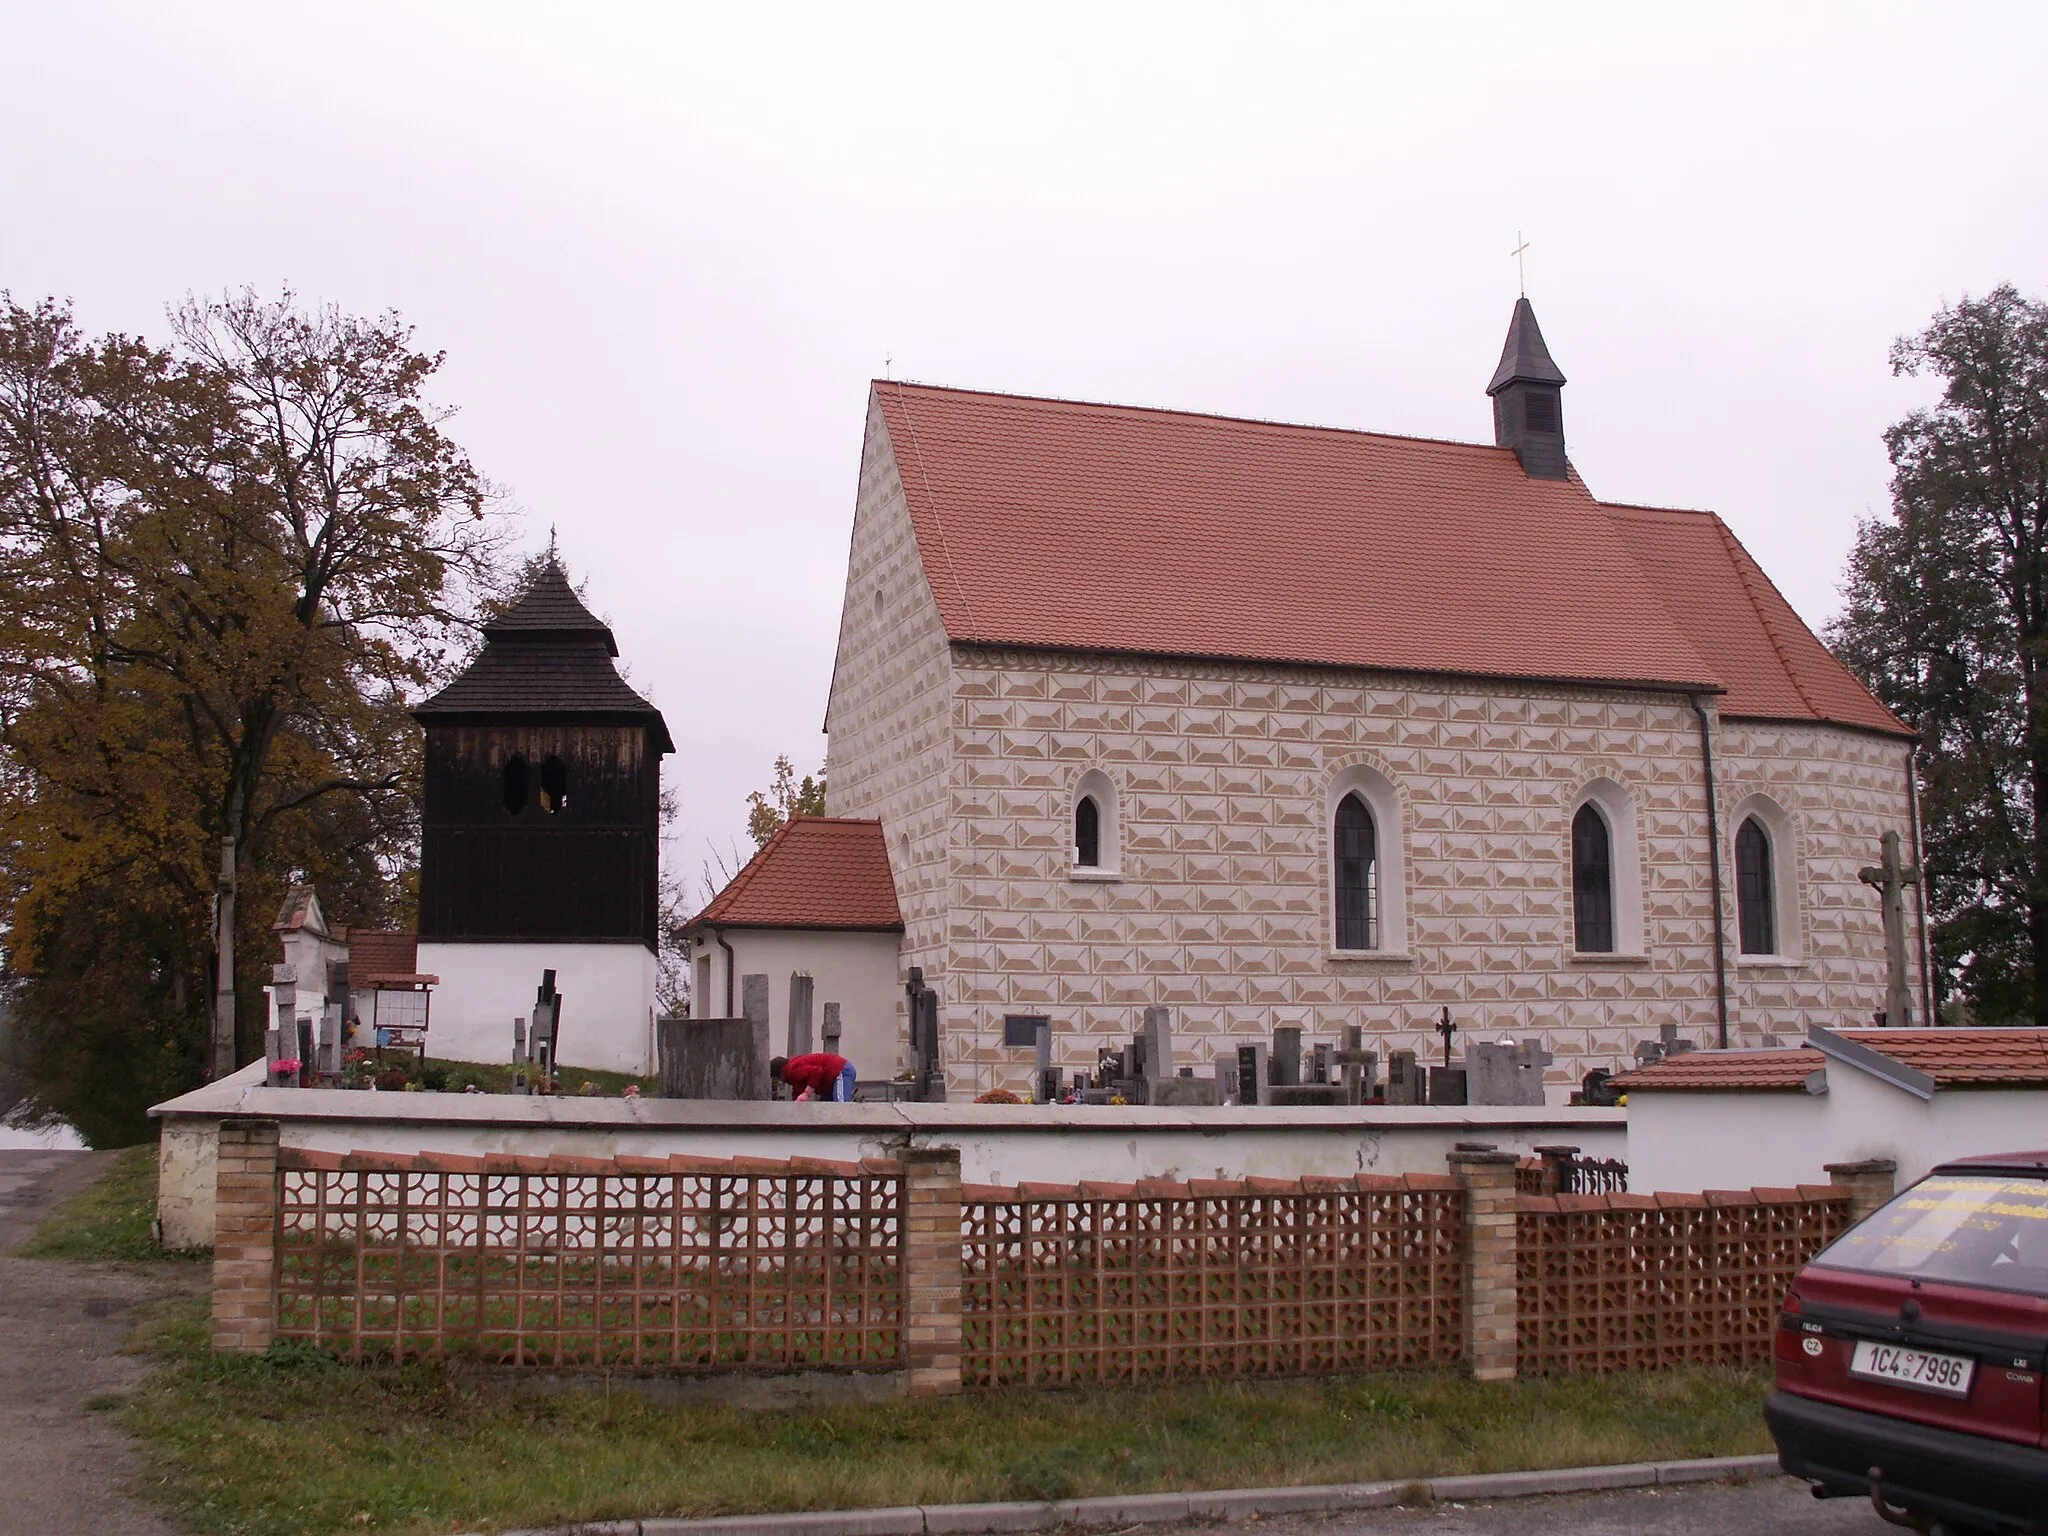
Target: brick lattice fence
680, 1264
693, 1265
1103, 1283
1634, 1282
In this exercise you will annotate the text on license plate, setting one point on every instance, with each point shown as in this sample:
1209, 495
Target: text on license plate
1917, 1368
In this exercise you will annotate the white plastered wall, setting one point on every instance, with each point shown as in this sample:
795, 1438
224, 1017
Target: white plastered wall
1683, 1141
607, 1001
858, 971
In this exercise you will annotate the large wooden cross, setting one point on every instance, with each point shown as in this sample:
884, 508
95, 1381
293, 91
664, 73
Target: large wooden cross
1891, 877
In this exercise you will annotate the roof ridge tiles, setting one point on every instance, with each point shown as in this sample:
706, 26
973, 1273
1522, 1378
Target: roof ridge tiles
1220, 418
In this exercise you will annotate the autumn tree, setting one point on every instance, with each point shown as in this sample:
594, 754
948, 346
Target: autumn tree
785, 797
1947, 620
227, 565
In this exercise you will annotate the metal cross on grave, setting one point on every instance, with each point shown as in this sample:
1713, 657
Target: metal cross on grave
1448, 1030
1891, 877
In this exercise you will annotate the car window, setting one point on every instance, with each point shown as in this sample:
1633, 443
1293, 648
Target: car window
1977, 1230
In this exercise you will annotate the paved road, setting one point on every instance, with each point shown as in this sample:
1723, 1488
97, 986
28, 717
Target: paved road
63, 1467
1775, 1507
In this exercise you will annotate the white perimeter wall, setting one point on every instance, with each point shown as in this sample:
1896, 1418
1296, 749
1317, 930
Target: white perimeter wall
858, 971
607, 1001
1007, 1144
1686, 1141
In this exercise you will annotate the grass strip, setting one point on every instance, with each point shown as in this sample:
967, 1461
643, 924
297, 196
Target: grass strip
111, 1218
291, 1442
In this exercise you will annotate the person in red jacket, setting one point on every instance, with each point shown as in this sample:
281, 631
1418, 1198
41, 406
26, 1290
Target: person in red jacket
826, 1076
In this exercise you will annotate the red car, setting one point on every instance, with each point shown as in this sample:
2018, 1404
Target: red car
1912, 1354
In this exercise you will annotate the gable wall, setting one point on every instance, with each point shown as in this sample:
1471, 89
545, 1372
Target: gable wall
1222, 911
889, 752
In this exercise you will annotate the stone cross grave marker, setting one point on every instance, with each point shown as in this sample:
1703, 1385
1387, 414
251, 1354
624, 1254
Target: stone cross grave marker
830, 1030
1891, 876
1358, 1065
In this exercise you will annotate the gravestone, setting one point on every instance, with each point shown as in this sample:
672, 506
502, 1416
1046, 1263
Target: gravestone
1226, 1078
1359, 1066
1447, 1085
330, 1040
1251, 1073
305, 1047
927, 1053
754, 998
1501, 1072
1183, 1092
1404, 1079
544, 1039
1321, 1057
1305, 1095
1158, 1043
1285, 1066
830, 1031
800, 992
713, 1058
519, 1039
1045, 1077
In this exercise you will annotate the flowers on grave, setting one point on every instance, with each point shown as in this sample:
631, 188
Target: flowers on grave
997, 1096
632, 1091
285, 1068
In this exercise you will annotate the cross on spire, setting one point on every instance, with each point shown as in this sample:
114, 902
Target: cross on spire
1521, 270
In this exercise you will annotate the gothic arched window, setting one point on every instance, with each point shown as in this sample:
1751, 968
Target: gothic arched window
1087, 834
1357, 872
1754, 908
1592, 883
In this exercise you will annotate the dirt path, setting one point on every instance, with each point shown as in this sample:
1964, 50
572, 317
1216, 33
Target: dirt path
63, 1466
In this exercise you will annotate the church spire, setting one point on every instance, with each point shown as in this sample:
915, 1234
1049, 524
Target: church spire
1528, 411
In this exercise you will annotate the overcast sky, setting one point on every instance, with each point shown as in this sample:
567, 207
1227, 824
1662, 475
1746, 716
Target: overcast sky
665, 248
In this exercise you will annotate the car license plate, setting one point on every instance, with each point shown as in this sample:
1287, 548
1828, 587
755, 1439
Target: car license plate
1919, 1369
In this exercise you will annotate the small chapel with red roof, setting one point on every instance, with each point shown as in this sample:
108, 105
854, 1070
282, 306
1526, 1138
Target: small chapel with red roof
1288, 726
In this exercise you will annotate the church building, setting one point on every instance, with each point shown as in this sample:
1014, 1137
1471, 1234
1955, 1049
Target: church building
1280, 725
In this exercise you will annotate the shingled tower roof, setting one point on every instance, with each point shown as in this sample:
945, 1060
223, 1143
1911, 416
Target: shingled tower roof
547, 655
1524, 359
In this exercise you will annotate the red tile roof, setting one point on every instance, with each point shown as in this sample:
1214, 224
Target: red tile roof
1964, 1058
1784, 1071
1052, 523
1771, 664
385, 957
815, 872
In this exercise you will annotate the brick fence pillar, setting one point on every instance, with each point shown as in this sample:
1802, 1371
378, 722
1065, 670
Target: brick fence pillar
1557, 1168
1869, 1184
1492, 1312
931, 1269
245, 1236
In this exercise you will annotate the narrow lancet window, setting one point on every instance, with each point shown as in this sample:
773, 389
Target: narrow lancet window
1592, 883
1357, 874
1754, 908
1088, 834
